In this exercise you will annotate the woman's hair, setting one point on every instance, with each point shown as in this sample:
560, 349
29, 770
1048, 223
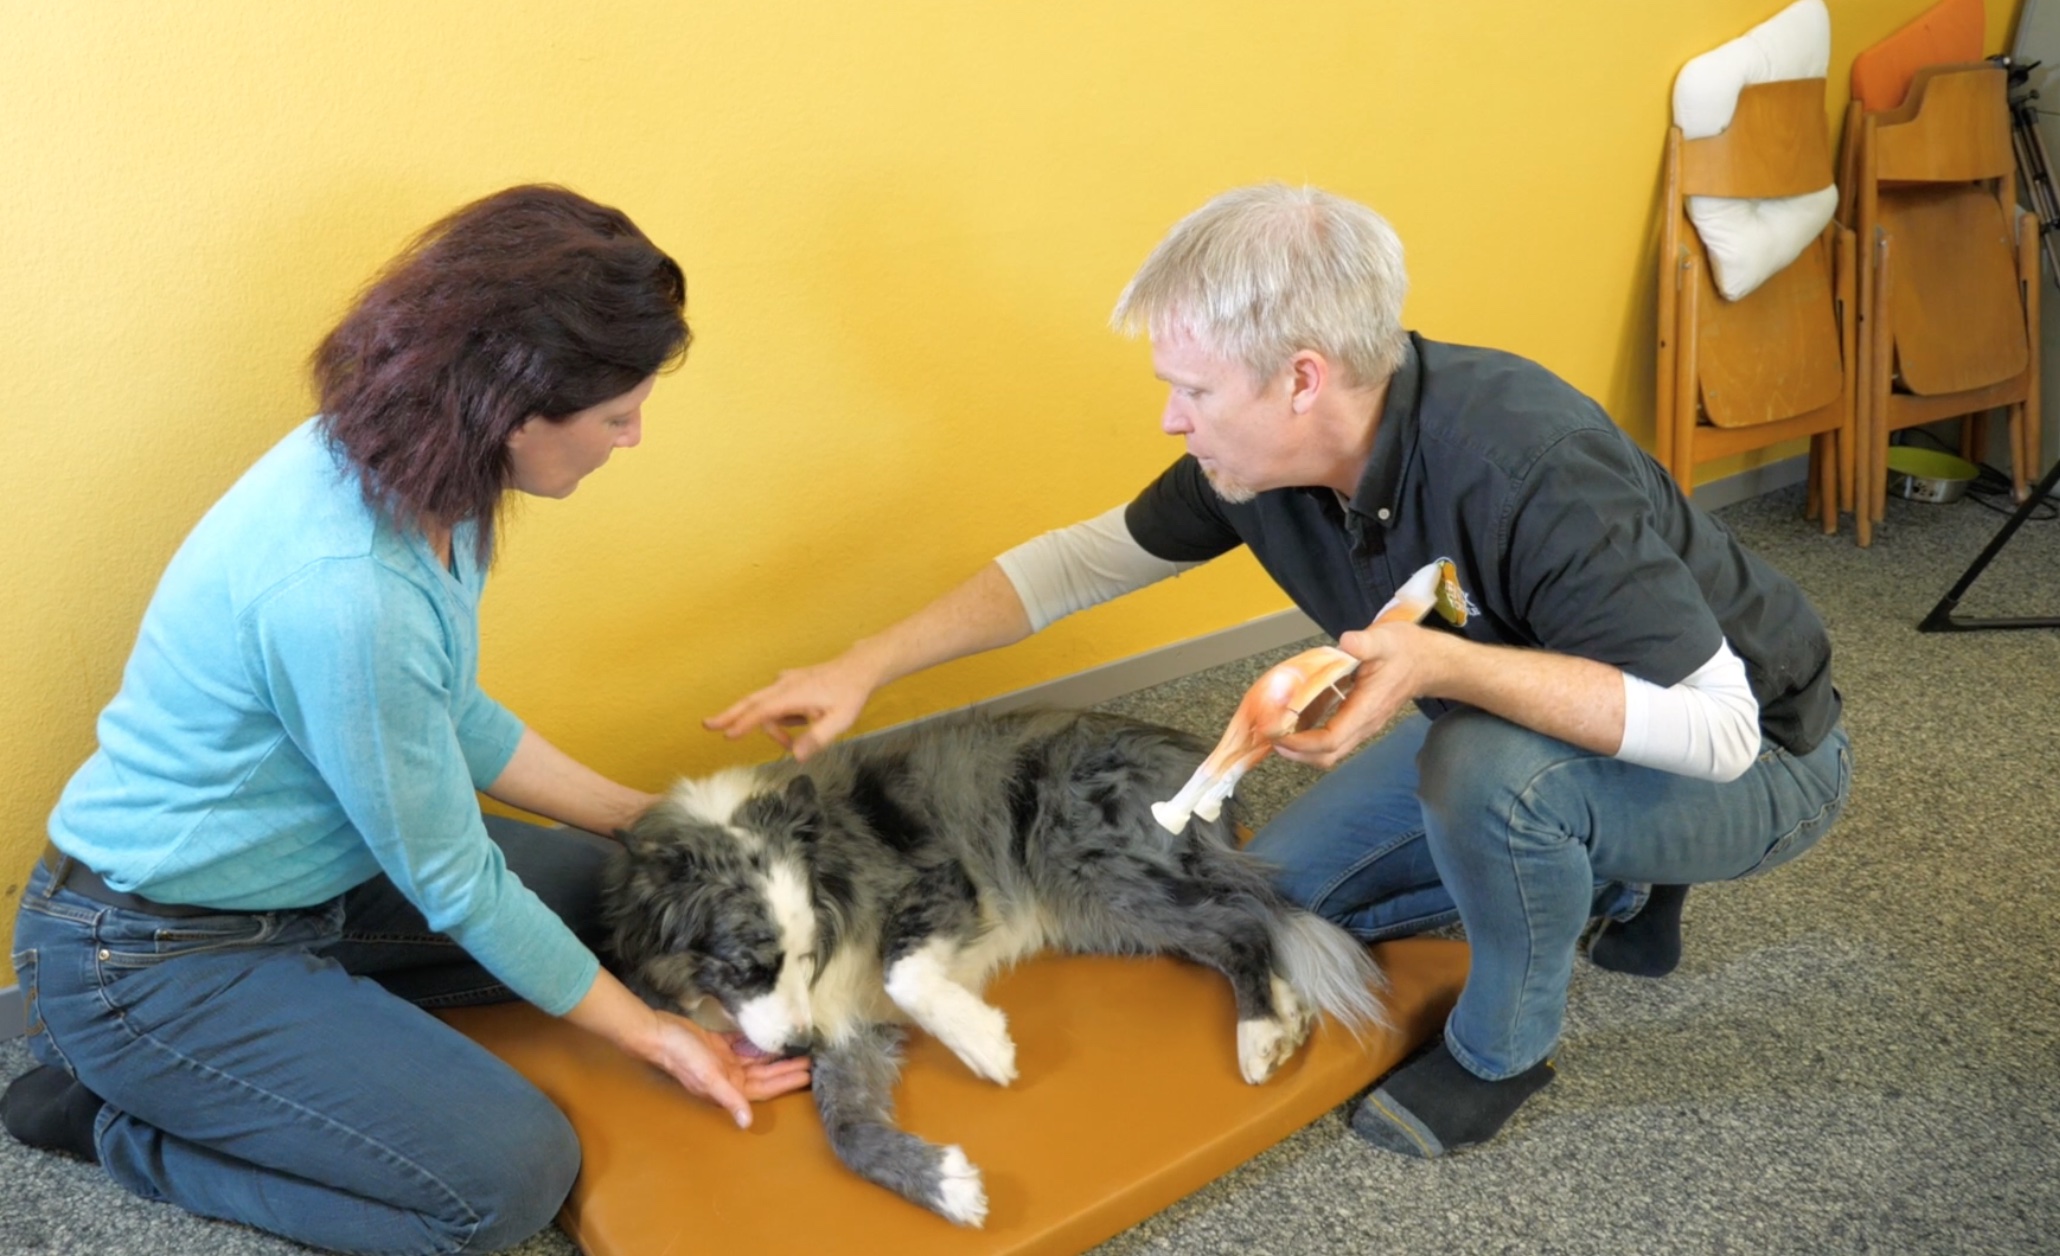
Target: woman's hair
531, 302
1260, 273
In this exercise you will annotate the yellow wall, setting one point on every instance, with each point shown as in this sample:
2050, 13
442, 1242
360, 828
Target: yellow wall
903, 224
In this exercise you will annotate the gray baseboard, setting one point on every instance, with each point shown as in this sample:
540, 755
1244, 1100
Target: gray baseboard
1156, 667
1718, 494
11, 1022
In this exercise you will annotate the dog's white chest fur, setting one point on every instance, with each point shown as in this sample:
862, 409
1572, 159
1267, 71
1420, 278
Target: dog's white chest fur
854, 991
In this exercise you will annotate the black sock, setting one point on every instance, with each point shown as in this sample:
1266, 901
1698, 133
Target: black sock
48, 1109
1432, 1106
1649, 943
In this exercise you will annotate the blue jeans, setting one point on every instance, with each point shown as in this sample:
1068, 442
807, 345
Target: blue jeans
278, 1068
1523, 838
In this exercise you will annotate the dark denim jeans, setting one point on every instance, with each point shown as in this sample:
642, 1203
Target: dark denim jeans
278, 1068
1525, 838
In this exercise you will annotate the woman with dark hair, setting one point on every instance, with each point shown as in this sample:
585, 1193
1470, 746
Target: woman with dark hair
276, 858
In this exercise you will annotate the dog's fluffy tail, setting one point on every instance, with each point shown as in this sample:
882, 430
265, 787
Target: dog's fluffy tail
1330, 969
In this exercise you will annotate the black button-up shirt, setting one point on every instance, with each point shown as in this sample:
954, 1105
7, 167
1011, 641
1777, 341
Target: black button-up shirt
1566, 535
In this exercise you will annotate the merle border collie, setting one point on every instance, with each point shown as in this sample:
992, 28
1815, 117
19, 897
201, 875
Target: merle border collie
820, 906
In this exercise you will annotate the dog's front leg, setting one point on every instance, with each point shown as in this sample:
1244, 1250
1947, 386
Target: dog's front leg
931, 920
854, 1092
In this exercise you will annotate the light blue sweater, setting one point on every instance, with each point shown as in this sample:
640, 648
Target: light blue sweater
302, 712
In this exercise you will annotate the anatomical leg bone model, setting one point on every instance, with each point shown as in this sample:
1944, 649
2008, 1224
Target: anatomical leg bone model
1299, 693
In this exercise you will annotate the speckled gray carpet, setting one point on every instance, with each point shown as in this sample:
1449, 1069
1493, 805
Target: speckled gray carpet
1859, 1053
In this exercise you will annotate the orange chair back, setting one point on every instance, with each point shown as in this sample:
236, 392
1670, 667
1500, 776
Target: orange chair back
1950, 31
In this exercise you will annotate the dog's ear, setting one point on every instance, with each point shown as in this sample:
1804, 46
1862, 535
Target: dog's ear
653, 884
661, 825
795, 812
804, 807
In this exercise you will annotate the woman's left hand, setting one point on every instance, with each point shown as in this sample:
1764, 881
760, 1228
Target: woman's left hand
705, 1063
708, 1065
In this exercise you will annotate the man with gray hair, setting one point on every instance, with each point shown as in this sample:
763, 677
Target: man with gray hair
1635, 703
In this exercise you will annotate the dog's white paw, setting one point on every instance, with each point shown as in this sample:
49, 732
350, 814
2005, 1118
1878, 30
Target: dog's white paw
960, 1197
1265, 1043
979, 1035
1262, 1047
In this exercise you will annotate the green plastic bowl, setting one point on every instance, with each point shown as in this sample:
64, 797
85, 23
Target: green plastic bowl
1928, 475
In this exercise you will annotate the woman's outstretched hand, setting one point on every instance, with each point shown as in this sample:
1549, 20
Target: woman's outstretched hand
707, 1064
710, 1066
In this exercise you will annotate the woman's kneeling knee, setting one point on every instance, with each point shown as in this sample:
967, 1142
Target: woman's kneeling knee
524, 1186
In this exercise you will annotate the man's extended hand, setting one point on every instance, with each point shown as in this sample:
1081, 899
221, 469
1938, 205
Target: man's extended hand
980, 614
824, 699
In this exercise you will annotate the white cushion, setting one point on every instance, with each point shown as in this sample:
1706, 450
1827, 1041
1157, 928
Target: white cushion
1750, 240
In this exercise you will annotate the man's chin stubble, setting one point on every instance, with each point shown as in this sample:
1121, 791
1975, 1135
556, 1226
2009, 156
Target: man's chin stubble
1228, 489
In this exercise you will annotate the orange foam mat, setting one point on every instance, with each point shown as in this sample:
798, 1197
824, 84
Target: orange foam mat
1128, 1099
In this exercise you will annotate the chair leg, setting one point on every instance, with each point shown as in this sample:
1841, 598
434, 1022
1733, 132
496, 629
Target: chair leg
1873, 253
1863, 506
1872, 455
2031, 411
2024, 425
1813, 492
1863, 377
1875, 481
1863, 521
1813, 481
1846, 281
1828, 483
1848, 447
2032, 438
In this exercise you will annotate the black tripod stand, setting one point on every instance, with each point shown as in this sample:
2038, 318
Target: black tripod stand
1941, 617
2035, 173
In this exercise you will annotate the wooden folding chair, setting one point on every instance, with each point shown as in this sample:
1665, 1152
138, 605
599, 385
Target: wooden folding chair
1778, 364
1949, 280
1948, 33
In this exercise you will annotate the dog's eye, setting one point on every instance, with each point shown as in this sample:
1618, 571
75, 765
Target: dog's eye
738, 974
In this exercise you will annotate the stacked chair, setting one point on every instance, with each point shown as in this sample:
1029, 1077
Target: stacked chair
1950, 285
1918, 303
1778, 363
1757, 316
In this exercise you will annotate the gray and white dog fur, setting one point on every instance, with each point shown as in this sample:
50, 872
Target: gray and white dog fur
819, 907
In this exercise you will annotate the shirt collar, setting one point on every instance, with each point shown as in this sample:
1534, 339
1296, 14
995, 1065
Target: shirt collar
1394, 443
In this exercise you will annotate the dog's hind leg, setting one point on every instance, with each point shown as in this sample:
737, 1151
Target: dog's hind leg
1272, 1023
854, 1091
927, 928
1264, 1043
1227, 929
